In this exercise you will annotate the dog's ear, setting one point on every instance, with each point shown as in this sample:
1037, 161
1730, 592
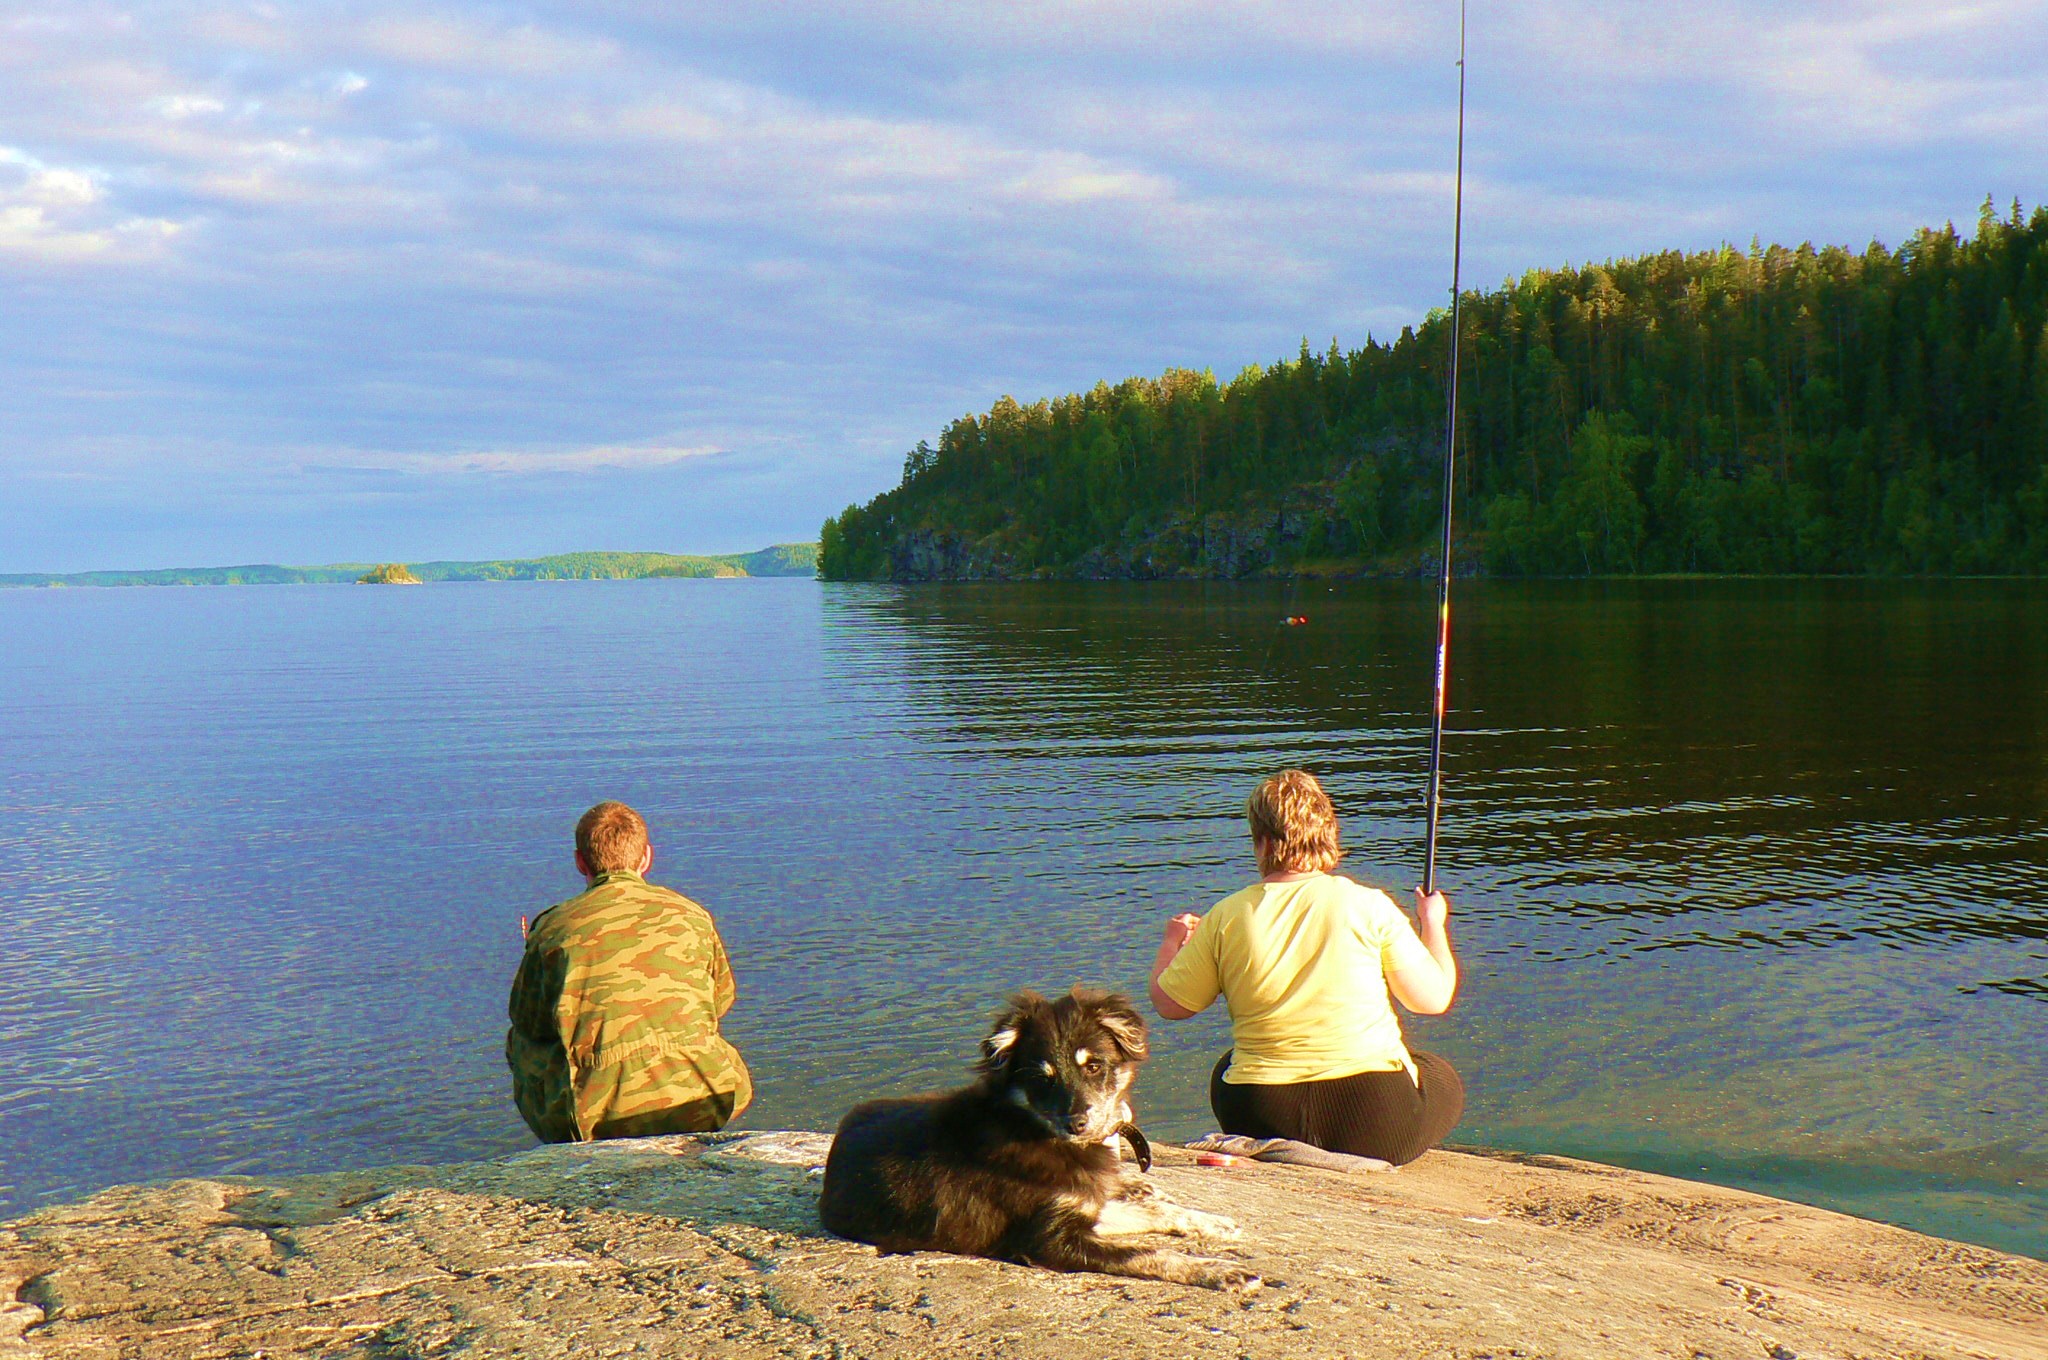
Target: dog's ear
996, 1049
1121, 1021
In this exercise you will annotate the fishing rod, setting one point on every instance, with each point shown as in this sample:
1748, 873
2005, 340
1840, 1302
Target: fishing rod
1443, 593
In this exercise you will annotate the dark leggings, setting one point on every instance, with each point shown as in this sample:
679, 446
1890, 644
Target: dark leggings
1370, 1114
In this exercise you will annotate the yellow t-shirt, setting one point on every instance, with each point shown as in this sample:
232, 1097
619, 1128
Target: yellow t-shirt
1303, 967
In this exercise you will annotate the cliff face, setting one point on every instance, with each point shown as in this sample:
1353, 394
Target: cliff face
693, 1247
1214, 547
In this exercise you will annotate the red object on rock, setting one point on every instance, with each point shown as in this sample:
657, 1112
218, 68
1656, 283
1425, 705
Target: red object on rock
1216, 1159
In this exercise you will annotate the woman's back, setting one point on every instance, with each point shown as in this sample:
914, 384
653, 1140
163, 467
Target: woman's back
1302, 965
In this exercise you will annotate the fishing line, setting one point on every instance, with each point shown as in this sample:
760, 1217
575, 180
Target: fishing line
1443, 594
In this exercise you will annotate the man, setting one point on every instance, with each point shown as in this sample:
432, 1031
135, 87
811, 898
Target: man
616, 1003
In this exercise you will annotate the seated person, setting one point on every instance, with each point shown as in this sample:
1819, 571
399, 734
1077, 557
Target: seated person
616, 1003
1305, 961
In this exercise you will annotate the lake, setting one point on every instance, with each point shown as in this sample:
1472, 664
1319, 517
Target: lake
1750, 878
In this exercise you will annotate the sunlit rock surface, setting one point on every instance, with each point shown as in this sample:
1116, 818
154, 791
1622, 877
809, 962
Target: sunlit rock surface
711, 1247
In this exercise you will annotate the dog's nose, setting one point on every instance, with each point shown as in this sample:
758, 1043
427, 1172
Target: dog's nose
1077, 1123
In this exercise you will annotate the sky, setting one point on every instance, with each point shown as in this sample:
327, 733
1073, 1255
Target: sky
330, 282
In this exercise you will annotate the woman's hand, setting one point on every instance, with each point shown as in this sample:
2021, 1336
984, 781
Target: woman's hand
1179, 930
1432, 910
1428, 986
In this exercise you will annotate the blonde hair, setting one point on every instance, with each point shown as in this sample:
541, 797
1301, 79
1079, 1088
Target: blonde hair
1294, 826
611, 837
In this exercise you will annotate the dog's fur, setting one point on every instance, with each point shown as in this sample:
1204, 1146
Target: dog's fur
1022, 1165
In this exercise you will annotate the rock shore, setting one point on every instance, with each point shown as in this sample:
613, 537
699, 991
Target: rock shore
710, 1247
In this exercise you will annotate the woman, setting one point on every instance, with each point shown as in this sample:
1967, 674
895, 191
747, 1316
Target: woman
1305, 961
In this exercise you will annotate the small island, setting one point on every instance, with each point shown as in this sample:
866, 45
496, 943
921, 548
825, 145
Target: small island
389, 574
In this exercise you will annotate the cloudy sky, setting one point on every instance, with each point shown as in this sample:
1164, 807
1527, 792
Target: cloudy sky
341, 281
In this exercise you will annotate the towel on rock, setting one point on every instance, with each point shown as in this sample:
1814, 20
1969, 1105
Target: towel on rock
1287, 1150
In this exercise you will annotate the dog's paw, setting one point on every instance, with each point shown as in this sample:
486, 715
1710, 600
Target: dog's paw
1202, 1271
1214, 1226
1134, 1187
1223, 1275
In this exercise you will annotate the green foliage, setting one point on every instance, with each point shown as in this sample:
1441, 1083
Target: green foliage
1593, 524
388, 574
784, 559
1770, 410
1358, 502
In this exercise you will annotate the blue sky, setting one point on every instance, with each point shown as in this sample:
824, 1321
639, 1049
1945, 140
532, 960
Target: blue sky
344, 281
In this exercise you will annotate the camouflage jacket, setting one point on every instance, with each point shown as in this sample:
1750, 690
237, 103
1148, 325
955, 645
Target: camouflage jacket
615, 1018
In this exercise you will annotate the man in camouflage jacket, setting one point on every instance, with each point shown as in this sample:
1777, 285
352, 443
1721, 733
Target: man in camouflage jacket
616, 1003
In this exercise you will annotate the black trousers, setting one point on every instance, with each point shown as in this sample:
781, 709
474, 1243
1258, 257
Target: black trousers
1370, 1114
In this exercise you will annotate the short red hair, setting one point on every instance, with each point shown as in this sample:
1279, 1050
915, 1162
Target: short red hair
611, 837
1294, 825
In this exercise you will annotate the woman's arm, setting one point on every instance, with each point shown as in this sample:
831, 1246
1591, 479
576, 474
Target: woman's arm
1428, 986
1178, 931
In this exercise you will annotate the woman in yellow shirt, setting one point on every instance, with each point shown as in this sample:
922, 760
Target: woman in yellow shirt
1305, 961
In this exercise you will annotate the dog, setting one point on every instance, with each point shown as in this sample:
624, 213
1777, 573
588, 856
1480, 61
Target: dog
1023, 1164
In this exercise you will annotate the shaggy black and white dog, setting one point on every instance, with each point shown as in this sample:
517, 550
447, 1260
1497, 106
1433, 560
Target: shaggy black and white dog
1023, 1164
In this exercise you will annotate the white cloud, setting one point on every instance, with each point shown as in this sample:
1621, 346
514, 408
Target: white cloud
55, 214
1841, 73
437, 40
179, 106
520, 462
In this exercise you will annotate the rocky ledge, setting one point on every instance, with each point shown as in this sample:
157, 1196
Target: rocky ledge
710, 1247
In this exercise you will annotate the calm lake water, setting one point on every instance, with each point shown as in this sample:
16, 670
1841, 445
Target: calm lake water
1750, 878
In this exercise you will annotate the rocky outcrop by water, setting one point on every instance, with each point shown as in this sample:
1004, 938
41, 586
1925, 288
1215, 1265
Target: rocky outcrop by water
710, 1247
1213, 547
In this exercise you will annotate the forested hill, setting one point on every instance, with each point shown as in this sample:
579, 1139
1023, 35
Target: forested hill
784, 559
1768, 410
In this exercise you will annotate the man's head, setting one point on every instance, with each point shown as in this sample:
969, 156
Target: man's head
1294, 827
610, 838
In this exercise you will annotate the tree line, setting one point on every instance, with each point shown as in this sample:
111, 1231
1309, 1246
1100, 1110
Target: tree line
1770, 410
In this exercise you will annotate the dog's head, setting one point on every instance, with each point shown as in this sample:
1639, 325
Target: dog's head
1069, 1063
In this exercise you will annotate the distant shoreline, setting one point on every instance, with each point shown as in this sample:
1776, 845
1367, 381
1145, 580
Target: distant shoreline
782, 559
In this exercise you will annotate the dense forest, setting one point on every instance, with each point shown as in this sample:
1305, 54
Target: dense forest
1768, 410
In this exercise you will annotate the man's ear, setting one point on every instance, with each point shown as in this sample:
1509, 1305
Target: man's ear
582, 864
646, 860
